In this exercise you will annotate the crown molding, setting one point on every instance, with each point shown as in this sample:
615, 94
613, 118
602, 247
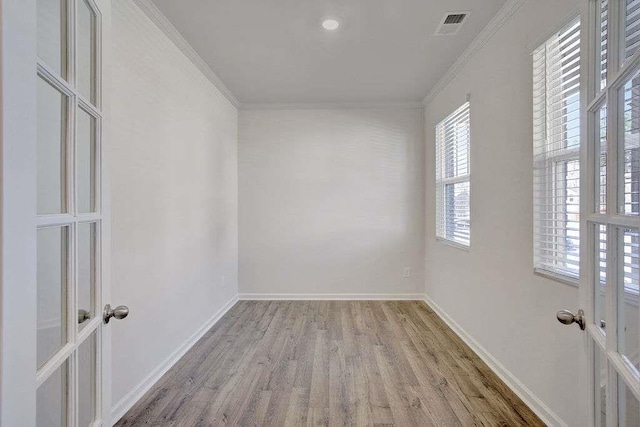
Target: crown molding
504, 14
332, 106
163, 23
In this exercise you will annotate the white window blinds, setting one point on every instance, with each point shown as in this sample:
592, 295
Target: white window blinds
452, 178
556, 146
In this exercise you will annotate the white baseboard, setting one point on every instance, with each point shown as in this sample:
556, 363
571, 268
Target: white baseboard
536, 405
145, 385
336, 297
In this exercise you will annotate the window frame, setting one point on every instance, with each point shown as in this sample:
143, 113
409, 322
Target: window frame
442, 181
549, 166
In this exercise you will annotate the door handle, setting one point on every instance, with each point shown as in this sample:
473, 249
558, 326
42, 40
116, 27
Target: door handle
120, 312
566, 317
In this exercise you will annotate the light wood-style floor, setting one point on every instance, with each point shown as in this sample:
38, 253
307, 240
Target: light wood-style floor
275, 363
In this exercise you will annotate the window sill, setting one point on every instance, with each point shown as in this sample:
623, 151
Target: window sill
567, 280
631, 297
453, 244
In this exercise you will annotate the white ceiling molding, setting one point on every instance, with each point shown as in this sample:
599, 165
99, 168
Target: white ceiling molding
333, 106
502, 17
174, 35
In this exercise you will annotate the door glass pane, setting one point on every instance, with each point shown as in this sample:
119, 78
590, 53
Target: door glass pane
601, 173
631, 27
87, 381
51, 399
52, 34
86, 273
52, 291
604, 21
628, 407
631, 153
601, 275
51, 130
600, 394
629, 320
85, 161
86, 51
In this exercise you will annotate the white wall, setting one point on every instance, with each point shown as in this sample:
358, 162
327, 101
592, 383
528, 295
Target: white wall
173, 163
331, 201
491, 290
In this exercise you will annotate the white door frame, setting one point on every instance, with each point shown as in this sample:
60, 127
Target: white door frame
18, 221
105, 93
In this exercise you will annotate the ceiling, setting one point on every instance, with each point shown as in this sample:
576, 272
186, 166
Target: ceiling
276, 51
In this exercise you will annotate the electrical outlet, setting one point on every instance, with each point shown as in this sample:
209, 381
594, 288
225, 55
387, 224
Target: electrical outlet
407, 272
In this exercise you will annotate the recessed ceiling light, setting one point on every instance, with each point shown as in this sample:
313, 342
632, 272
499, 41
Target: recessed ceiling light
330, 24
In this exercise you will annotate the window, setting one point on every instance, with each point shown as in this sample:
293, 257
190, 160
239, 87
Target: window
453, 219
556, 153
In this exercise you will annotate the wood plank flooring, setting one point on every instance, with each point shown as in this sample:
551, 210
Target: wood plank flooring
360, 363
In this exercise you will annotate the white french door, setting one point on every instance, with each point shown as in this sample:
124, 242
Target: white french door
610, 220
55, 231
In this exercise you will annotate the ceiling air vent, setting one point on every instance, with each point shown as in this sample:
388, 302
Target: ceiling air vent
451, 23
456, 18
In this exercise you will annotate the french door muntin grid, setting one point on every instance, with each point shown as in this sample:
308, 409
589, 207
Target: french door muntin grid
620, 373
67, 356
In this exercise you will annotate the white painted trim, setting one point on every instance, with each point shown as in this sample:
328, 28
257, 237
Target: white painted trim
502, 17
527, 396
336, 297
452, 244
145, 385
332, 106
163, 23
